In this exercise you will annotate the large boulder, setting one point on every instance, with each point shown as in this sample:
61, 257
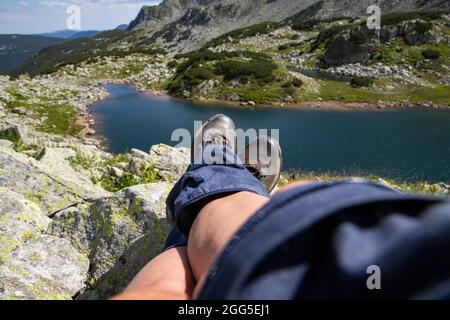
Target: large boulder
6, 144
20, 220
351, 46
49, 183
169, 163
15, 133
61, 236
34, 265
119, 233
45, 267
414, 32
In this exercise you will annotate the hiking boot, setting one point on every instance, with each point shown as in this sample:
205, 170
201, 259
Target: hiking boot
263, 159
219, 130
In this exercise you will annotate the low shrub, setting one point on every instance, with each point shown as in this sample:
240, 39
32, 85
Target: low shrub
199, 57
283, 47
328, 35
297, 82
173, 64
422, 27
260, 70
290, 90
431, 54
357, 37
398, 17
199, 73
362, 81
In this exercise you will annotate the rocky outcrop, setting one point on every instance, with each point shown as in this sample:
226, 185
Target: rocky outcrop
119, 234
34, 265
351, 46
64, 237
358, 8
48, 182
166, 12
182, 26
169, 163
189, 25
414, 32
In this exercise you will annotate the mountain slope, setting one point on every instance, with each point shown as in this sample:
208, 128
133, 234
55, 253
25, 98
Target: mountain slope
179, 26
84, 34
186, 25
63, 34
164, 13
16, 49
67, 52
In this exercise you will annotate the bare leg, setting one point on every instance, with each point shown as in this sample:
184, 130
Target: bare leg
174, 274
168, 276
215, 225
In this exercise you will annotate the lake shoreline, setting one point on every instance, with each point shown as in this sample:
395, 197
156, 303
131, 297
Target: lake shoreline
331, 105
86, 120
386, 130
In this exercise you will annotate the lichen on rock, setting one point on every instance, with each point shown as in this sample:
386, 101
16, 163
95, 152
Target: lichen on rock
119, 233
169, 163
34, 265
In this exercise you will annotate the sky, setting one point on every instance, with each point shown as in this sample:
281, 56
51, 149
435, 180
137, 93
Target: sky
39, 16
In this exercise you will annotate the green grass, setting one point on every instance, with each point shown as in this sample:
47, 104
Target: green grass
259, 94
114, 184
413, 55
61, 118
82, 160
258, 70
440, 95
422, 187
341, 91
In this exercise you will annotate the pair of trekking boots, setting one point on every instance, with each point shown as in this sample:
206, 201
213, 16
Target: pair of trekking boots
262, 157
215, 143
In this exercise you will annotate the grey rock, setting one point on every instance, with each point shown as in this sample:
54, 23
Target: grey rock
20, 111
182, 26
16, 133
120, 234
139, 154
234, 97
33, 265
6, 144
115, 172
169, 163
45, 267
123, 166
342, 50
20, 219
137, 165
50, 182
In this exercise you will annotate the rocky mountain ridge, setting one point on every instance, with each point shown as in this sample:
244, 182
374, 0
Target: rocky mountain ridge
187, 25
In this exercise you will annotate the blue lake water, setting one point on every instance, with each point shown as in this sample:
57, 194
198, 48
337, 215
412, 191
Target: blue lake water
403, 144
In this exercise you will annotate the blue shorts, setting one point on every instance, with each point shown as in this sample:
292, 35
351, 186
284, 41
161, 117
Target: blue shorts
341, 240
